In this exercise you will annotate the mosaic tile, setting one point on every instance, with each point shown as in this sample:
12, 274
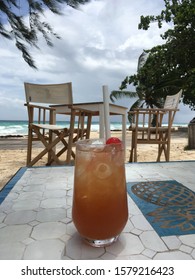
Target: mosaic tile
2, 217
48, 230
186, 249
152, 241
127, 244
149, 253
44, 250
14, 233
11, 251
177, 255
77, 249
172, 242
53, 203
193, 254
20, 217
140, 222
51, 215
188, 240
28, 204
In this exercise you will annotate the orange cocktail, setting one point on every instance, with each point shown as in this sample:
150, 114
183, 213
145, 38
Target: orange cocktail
100, 209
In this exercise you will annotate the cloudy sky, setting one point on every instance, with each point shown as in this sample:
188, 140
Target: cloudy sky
100, 45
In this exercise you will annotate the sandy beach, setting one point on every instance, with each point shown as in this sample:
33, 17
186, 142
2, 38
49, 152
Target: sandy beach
13, 152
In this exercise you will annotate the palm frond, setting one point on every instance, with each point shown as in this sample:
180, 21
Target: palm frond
138, 103
159, 102
142, 60
118, 94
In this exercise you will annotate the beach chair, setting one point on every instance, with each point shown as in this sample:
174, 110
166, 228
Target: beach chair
42, 122
145, 132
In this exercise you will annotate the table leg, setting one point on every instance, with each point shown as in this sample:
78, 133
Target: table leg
101, 120
124, 130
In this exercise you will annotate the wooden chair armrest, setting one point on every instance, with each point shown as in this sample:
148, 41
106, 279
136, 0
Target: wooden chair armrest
153, 110
39, 107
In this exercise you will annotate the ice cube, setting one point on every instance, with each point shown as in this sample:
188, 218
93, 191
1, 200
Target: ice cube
97, 142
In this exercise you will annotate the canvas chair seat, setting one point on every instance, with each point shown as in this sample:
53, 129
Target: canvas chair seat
49, 126
143, 131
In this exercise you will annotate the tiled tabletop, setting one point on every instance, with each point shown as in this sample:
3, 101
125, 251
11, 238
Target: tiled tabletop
35, 218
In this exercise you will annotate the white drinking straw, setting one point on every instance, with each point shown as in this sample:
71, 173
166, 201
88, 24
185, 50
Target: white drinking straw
106, 111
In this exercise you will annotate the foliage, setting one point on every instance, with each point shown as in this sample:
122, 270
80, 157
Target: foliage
25, 34
170, 66
143, 94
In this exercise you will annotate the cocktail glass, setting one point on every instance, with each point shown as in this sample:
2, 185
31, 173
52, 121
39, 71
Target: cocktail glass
100, 209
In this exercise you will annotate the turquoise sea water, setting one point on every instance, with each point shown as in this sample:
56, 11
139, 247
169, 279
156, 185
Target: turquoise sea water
9, 127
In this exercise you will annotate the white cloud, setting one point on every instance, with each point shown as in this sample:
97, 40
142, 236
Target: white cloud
100, 45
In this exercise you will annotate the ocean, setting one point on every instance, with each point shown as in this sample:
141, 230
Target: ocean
13, 128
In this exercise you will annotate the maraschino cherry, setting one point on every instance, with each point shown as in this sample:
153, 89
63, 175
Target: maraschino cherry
113, 140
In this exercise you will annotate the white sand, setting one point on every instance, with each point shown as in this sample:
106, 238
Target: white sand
13, 152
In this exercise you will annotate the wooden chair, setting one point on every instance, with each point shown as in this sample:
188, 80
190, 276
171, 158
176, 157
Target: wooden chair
79, 131
42, 122
143, 131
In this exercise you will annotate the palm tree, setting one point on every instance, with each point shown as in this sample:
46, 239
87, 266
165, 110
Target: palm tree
144, 95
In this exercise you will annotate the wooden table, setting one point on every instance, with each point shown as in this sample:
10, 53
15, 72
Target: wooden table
97, 109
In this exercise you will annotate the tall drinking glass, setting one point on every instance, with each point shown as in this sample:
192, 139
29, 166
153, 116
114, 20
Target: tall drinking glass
100, 209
